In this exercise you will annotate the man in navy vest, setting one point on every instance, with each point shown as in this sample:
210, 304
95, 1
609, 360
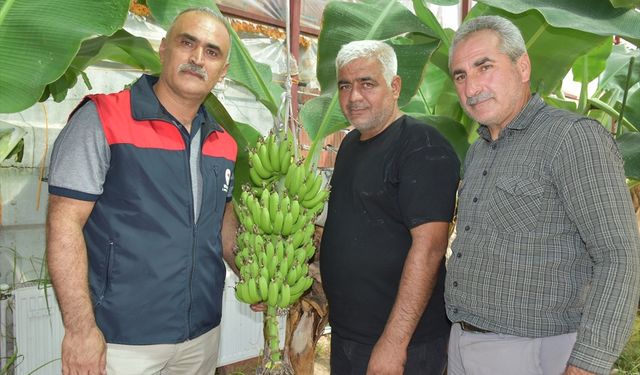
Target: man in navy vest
140, 215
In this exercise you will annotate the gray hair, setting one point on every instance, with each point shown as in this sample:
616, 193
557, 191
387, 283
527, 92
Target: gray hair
370, 49
511, 42
211, 13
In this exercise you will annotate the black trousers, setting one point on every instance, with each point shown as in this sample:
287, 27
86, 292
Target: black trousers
352, 358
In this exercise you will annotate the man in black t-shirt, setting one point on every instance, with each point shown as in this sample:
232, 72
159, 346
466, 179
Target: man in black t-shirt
392, 198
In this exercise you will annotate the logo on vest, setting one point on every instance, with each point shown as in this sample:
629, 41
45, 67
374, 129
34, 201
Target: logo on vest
227, 179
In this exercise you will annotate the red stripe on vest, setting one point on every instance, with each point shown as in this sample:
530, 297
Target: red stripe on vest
120, 128
220, 144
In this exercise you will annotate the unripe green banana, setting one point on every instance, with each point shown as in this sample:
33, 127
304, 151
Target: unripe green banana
310, 251
263, 288
260, 169
278, 222
285, 203
263, 154
254, 268
316, 184
256, 180
301, 285
288, 177
274, 154
285, 296
265, 221
301, 256
274, 204
317, 200
242, 293
274, 287
280, 253
269, 249
293, 275
259, 244
295, 210
287, 224
272, 265
253, 291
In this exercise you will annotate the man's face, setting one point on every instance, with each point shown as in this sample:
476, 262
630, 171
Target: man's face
492, 88
194, 55
365, 98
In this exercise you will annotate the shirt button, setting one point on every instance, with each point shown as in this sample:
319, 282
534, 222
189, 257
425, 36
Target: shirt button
455, 310
455, 284
484, 173
467, 228
459, 255
494, 146
475, 199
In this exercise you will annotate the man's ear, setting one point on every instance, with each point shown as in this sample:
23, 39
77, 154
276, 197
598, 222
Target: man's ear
396, 86
161, 50
524, 67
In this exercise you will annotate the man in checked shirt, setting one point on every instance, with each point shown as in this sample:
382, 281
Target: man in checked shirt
544, 273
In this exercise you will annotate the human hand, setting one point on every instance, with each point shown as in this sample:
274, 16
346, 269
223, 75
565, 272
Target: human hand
387, 359
84, 353
258, 307
572, 370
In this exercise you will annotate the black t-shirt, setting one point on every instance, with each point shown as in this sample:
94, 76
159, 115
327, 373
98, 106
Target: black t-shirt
380, 189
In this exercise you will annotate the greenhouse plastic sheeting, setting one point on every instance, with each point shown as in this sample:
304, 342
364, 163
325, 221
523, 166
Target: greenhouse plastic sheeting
310, 14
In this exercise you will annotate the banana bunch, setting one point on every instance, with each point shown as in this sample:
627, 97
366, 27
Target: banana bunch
272, 269
277, 212
270, 159
306, 186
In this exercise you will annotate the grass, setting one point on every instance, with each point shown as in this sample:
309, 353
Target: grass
629, 361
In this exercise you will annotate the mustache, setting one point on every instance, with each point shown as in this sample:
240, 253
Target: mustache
473, 100
355, 107
193, 68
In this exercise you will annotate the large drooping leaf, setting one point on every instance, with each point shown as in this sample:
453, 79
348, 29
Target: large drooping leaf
632, 109
11, 138
629, 144
243, 69
592, 16
552, 50
442, 2
244, 135
39, 39
588, 67
373, 19
322, 114
615, 74
120, 47
625, 3
429, 19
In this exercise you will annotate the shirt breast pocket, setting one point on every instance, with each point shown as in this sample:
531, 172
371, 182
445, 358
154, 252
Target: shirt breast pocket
516, 204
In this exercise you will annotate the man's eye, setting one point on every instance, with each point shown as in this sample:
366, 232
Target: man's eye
186, 43
459, 77
343, 87
212, 53
485, 67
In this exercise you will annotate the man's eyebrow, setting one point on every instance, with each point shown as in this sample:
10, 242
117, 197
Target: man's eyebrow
359, 79
482, 61
195, 39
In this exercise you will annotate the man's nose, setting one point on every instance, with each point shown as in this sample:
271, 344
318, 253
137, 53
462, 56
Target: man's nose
196, 56
472, 86
355, 95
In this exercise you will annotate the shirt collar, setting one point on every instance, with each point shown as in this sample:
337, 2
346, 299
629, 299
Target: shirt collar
148, 107
522, 120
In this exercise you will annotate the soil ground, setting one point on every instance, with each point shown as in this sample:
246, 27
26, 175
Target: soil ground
248, 367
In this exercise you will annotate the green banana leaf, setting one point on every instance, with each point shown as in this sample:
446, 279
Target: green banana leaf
588, 67
39, 39
429, 19
243, 69
552, 50
442, 2
322, 114
244, 135
625, 3
373, 19
615, 74
592, 16
632, 109
629, 145
11, 141
120, 47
